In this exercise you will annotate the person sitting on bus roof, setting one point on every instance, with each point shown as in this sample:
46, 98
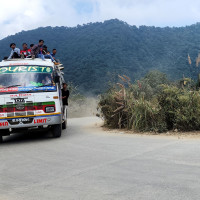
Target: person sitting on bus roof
47, 54
31, 46
25, 52
45, 50
37, 51
15, 52
53, 54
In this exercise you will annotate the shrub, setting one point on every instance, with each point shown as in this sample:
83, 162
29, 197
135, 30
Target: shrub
188, 112
181, 108
107, 104
146, 106
168, 101
146, 116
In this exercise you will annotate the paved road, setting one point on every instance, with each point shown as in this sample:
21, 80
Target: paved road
89, 164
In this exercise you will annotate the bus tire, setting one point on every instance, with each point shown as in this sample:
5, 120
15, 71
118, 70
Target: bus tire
1, 139
64, 125
56, 130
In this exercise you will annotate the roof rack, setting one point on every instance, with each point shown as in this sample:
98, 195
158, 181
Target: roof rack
19, 59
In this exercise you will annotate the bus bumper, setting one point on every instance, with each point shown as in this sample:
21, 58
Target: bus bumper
30, 122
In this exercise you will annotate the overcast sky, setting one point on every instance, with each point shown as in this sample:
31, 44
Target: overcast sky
17, 15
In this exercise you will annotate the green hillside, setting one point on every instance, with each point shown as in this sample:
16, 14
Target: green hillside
93, 54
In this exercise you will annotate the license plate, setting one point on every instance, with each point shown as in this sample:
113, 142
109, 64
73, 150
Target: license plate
21, 120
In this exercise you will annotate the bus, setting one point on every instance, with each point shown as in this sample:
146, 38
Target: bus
30, 96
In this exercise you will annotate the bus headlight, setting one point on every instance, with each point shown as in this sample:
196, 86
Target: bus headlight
49, 109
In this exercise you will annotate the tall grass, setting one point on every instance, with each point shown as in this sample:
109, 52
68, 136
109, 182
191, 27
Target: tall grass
151, 104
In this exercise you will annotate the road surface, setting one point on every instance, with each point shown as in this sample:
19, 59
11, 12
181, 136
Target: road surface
87, 163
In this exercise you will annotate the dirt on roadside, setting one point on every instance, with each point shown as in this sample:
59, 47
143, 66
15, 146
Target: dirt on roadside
174, 134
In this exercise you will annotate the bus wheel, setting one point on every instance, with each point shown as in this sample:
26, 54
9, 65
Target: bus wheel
1, 138
64, 125
56, 129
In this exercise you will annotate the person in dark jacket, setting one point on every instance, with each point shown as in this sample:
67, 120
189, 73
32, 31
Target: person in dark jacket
31, 46
65, 96
37, 49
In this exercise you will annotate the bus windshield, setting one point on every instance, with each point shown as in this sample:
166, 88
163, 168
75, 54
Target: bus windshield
26, 78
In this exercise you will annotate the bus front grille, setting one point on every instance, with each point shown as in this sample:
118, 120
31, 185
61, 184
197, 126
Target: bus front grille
18, 114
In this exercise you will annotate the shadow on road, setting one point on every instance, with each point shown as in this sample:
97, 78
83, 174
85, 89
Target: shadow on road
28, 136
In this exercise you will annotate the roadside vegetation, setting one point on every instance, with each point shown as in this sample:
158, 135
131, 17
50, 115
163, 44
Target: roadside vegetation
153, 103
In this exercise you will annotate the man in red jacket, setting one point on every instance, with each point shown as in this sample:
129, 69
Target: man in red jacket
26, 52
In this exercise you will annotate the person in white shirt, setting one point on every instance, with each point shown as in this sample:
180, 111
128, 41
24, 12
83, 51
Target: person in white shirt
47, 80
15, 52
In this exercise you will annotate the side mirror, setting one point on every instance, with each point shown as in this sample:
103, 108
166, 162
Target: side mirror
57, 79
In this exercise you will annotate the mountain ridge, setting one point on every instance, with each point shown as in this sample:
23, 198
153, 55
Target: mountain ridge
95, 53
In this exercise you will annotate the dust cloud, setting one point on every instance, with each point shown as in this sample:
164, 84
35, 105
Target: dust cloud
85, 108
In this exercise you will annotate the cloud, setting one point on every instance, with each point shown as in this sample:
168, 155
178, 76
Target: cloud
152, 12
25, 15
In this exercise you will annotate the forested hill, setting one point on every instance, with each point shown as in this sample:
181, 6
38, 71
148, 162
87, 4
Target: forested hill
93, 54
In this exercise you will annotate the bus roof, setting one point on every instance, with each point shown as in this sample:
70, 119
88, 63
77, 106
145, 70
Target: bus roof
27, 61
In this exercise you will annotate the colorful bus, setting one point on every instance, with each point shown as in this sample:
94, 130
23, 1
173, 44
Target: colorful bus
30, 96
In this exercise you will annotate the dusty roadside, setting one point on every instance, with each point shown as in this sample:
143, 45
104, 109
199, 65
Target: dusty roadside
170, 134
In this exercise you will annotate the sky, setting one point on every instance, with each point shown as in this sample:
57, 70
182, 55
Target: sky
19, 15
